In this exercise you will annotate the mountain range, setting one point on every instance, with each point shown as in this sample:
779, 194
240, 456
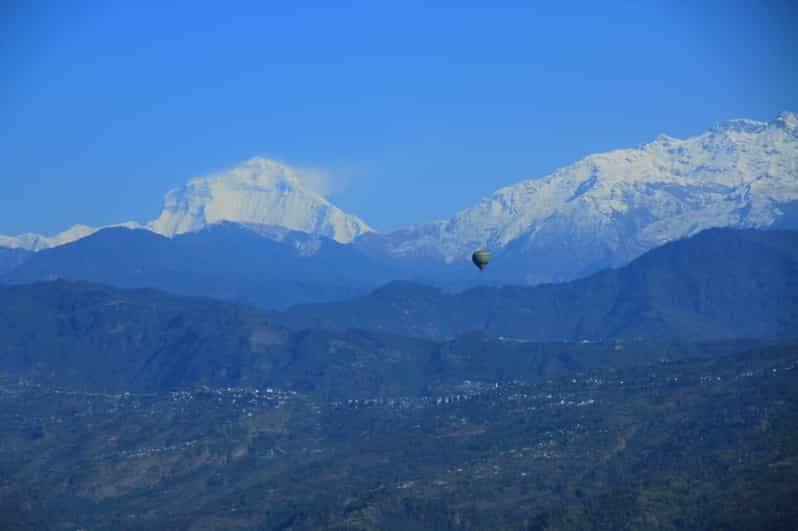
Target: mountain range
602, 211
268, 266
609, 208
721, 283
259, 191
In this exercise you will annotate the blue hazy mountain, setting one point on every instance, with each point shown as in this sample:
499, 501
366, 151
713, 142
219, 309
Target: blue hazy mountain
100, 338
10, 259
722, 283
267, 266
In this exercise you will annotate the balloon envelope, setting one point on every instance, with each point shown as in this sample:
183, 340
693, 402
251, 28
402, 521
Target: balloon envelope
481, 257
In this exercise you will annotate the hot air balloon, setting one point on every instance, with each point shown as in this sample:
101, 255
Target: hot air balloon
481, 257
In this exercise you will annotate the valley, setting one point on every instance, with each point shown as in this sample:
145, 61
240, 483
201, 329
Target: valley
668, 445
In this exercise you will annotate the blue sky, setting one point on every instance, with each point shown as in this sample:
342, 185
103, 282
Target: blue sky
419, 111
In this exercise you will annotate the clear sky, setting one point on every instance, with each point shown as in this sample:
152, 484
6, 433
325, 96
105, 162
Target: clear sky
418, 111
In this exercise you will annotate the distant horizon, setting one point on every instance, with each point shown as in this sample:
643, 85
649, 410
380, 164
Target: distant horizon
410, 112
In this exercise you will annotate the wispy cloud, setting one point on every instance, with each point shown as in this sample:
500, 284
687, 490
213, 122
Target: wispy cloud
330, 180
323, 181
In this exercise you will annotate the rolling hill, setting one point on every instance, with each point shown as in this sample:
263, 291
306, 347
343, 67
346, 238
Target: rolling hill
722, 283
101, 339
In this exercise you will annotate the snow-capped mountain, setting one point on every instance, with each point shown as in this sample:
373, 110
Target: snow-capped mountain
609, 208
36, 242
603, 210
259, 191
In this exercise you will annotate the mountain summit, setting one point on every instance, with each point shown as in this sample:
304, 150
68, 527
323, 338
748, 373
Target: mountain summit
260, 191
609, 208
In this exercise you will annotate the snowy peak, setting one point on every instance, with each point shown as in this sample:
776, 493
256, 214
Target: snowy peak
739, 125
609, 208
260, 191
787, 120
37, 242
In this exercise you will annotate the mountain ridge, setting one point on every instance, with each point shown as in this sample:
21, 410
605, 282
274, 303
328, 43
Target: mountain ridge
258, 191
603, 210
609, 208
98, 338
721, 283
263, 265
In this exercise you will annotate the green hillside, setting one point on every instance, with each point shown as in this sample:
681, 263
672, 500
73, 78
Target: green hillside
688, 445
